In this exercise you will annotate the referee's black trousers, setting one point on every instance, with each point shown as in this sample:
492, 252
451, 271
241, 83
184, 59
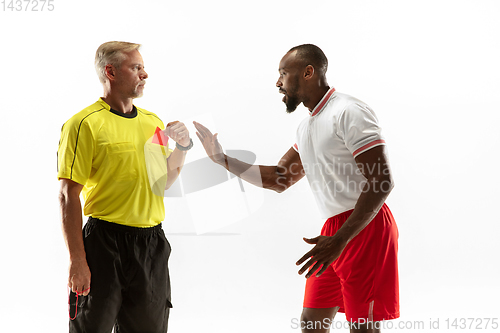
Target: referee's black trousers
130, 284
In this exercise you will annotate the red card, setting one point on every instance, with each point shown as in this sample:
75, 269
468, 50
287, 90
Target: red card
160, 138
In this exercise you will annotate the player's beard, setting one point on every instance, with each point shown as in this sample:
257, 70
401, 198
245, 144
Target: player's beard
291, 98
291, 103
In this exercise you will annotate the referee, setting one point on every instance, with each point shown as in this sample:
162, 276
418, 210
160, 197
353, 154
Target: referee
118, 269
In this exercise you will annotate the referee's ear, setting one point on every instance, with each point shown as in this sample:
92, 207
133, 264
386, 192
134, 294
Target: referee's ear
109, 70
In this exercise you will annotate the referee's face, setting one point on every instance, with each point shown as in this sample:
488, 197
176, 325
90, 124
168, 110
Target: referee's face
131, 76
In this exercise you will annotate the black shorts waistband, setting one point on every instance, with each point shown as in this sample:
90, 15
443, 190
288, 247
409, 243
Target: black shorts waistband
125, 228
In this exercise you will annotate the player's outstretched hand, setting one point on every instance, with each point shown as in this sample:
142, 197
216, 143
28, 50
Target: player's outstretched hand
210, 143
178, 132
326, 251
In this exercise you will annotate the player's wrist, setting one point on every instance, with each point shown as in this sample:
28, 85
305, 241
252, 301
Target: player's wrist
222, 161
341, 237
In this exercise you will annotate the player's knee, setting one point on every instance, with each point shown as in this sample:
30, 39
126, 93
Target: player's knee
317, 320
307, 315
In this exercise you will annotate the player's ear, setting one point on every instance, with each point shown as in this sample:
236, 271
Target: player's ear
109, 70
308, 72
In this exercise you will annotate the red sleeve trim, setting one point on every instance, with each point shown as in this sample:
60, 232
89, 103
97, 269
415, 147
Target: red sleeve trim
296, 147
368, 146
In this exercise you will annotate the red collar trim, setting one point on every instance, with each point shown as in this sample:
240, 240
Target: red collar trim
322, 103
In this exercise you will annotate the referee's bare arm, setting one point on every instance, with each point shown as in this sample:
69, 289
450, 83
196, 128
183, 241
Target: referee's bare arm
280, 177
180, 134
175, 162
71, 215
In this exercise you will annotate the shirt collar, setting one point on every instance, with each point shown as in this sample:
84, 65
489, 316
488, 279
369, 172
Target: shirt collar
319, 107
133, 114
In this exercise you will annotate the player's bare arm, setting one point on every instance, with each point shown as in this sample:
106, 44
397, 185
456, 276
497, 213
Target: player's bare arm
71, 212
375, 167
180, 134
280, 177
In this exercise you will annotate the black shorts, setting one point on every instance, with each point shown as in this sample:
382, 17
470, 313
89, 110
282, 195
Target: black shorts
130, 284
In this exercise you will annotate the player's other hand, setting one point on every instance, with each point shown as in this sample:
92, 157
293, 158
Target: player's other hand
210, 143
178, 132
326, 251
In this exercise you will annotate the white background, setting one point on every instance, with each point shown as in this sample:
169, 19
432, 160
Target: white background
429, 69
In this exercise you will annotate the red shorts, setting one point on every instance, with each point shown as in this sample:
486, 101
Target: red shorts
363, 282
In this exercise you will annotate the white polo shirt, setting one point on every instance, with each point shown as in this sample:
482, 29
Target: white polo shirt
338, 129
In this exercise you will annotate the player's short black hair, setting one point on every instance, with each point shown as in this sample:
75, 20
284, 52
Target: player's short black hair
311, 55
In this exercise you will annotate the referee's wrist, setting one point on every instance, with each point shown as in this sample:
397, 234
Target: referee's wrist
185, 148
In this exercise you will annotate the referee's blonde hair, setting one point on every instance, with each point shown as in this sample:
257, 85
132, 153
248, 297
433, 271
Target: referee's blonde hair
111, 53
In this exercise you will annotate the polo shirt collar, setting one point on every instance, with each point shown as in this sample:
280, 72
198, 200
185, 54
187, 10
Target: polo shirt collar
319, 107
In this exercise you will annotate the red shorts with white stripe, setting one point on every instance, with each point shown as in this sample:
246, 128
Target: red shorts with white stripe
363, 282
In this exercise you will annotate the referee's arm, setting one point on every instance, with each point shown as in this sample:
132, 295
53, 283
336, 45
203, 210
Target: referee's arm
175, 162
71, 215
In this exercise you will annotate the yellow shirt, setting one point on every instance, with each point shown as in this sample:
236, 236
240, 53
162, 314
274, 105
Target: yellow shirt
104, 150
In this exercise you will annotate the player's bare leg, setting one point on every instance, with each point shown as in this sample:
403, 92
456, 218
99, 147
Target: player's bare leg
317, 320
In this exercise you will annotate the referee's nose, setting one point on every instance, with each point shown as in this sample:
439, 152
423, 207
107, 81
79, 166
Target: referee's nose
144, 75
